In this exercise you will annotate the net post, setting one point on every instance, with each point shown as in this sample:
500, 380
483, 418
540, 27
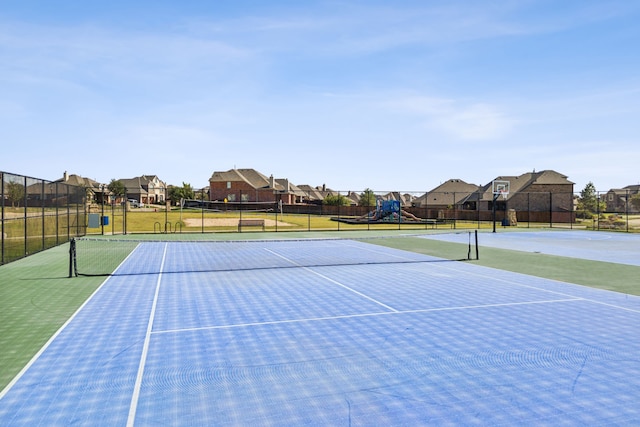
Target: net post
477, 249
72, 256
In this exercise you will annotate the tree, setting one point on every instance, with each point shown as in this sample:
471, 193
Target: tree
179, 193
367, 198
15, 192
589, 203
117, 188
336, 200
201, 195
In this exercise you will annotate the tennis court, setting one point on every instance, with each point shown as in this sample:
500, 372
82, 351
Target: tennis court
331, 332
620, 248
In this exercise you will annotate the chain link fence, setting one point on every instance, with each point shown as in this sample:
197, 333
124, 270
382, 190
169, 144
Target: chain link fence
36, 214
347, 210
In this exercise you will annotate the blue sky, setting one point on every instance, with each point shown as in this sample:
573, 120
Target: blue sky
385, 95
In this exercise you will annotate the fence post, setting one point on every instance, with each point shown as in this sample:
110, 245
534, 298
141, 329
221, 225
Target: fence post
455, 211
26, 216
550, 209
626, 208
44, 231
2, 218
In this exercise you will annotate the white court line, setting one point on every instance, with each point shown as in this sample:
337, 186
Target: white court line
353, 316
333, 281
145, 348
59, 331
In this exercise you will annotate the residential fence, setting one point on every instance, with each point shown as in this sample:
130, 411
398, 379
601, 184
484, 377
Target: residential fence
36, 214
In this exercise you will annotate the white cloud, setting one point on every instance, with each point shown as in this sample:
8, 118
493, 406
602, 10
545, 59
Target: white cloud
458, 119
474, 122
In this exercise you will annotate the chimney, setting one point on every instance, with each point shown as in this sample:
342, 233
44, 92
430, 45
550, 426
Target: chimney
65, 176
272, 183
324, 187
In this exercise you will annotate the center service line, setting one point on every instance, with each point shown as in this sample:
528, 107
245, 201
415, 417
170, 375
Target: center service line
145, 348
334, 281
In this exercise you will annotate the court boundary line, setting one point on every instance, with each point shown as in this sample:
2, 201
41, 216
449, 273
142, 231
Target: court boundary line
145, 348
353, 316
309, 269
57, 333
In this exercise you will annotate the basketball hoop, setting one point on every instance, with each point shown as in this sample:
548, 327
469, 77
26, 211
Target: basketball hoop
500, 188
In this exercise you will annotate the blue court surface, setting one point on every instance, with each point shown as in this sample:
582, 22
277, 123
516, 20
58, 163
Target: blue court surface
406, 341
621, 248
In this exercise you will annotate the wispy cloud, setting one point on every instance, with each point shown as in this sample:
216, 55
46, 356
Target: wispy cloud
458, 119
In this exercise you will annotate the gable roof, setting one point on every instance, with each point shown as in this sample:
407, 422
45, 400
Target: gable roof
453, 191
146, 179
316, 193
521, 182
255, 179
250, 176
285, 186
79, 181
133, 185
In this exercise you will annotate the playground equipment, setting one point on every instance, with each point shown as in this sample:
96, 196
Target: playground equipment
386, 211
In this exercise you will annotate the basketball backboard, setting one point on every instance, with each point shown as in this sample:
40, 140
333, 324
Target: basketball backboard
500, 188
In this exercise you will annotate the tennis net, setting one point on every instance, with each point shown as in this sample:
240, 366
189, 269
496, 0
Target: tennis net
106, 257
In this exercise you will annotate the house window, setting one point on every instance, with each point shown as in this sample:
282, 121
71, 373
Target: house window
231, 197
228, 184
611, 197
244, 197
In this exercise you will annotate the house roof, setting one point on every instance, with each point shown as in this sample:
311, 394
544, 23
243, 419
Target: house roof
79, 181
146, 179
311, 193
353, 197
521, 182
133, 185
629, 190
448, 193
253, 178
287, 187
250, 176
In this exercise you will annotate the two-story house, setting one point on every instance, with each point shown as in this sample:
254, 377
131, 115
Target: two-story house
249, 185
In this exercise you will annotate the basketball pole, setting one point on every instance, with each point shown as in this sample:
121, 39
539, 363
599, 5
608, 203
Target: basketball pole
493, 210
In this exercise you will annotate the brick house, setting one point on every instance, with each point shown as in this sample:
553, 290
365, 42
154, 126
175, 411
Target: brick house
249, 185
547, 194
619, 200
